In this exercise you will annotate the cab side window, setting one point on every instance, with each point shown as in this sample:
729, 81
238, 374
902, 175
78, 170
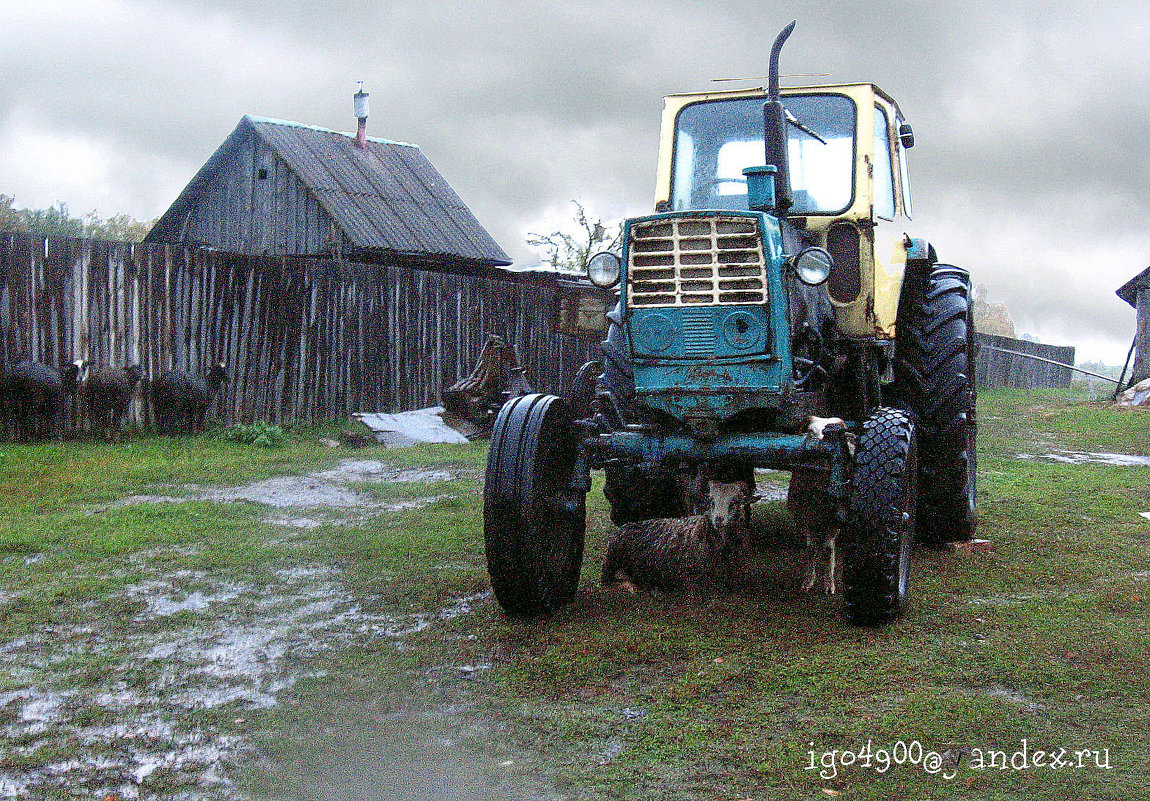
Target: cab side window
883, 168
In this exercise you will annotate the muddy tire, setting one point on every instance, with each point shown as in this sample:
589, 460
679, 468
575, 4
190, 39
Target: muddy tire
879, 532
533, 523
934, 372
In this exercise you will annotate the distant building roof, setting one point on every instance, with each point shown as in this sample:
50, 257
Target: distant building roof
385, 197
1129, 291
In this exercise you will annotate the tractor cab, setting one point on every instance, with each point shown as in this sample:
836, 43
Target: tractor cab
849, 181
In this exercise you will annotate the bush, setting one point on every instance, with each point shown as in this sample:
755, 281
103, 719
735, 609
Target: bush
257, 433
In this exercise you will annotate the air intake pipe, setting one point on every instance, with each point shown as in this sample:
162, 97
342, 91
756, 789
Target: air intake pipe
775, 128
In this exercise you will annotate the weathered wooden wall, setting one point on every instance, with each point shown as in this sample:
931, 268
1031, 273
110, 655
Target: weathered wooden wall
1141, 369
997, 369
304, 339
238, 211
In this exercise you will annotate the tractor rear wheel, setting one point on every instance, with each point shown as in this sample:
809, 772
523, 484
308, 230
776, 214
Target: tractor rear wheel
934, 371
879, 531
533, 521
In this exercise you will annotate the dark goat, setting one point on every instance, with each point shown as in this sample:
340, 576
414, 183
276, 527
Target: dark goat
33, 398
180, 401
108, 391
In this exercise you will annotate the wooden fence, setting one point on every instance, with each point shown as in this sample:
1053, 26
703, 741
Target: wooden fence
311, 339
304, 339
997, 369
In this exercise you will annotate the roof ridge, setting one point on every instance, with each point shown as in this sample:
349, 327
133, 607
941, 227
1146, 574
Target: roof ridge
253, 118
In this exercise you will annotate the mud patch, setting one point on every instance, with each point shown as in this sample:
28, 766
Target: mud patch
327, 488
317, 517
1081, 457
141, 712
1015, 697
771, 485
1018, 598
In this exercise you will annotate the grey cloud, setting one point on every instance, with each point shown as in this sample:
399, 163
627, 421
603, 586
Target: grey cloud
1030, 116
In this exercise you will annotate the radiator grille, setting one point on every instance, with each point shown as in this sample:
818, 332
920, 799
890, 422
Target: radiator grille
703, 261
698, 333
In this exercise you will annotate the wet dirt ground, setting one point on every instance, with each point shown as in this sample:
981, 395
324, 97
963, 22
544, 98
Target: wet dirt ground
1081, 457
155, 705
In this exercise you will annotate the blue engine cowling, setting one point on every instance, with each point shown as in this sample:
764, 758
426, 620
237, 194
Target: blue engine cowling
705, 312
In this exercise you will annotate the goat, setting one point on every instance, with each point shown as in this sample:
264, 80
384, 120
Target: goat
180, 401
34, 397
108, 392
672, 554
814, 509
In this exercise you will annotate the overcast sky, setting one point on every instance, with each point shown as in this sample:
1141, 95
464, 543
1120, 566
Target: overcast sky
1030, 166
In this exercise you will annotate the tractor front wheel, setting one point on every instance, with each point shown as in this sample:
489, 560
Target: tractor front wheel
534, 522
879, 531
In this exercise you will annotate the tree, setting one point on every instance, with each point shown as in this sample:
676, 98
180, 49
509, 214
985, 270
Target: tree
570, 252
52, 221
991, 318
117, 228
9, 217
57, 221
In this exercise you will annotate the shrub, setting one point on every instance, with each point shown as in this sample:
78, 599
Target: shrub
257, 433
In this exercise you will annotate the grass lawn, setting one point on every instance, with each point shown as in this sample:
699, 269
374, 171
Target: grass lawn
380, 667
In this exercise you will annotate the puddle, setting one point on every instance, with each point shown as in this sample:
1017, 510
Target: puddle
326, 488
196, 645
1081, 457
317, 518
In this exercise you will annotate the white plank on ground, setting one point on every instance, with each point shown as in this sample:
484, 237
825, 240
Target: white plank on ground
409, 428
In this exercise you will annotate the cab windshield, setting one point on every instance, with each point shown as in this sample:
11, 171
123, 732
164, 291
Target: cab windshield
716, 139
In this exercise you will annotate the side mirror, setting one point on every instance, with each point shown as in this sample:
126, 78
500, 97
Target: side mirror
906, 135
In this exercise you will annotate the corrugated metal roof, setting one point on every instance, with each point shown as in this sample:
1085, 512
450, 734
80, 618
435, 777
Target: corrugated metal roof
1129, 291
386, 196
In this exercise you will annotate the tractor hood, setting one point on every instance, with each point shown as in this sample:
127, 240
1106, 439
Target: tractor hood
706, 312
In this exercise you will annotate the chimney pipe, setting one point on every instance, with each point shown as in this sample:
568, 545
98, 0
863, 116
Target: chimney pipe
359, 104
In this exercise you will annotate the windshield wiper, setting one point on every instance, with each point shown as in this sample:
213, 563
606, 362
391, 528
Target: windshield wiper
793, 120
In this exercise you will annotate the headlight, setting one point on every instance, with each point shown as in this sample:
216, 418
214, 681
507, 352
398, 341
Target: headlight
812, 265
603, 269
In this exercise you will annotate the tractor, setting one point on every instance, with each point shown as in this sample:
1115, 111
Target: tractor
772, 285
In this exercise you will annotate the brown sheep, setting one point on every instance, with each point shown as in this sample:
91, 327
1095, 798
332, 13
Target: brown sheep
816, 516
681, 553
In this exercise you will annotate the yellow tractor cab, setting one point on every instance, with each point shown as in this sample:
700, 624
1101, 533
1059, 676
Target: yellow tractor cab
850, 188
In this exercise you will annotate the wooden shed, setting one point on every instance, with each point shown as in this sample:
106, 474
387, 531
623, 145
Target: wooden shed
278, 188
1136, 292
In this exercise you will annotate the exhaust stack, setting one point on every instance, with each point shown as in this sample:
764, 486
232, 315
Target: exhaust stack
359, 105
775, 128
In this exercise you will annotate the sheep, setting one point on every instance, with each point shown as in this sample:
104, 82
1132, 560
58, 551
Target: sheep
682, 553
180, 401
34, 396
814, 509
108, 391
